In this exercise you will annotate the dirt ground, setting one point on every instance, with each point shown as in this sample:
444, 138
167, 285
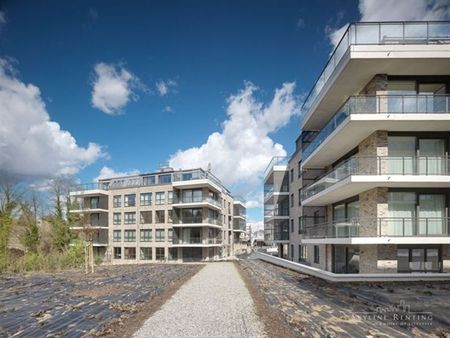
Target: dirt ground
114, 301
311, 307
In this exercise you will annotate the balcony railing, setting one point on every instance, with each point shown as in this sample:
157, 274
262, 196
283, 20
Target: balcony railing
381, 227
196, 174
277, 160
276, 212
381, 165
195, 199
269, 189
90, 186
197, 220
196, 240
380, 104
379, 33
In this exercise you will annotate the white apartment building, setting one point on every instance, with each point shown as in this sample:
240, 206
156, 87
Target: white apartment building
168, 215
369, 182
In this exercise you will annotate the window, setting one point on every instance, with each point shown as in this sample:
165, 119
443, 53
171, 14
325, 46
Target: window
292, 175
130, 218
299, 196
170, 235
117, 253
292, 225
292, 251
316, 254
130, 200
159, 254
117, 235
170, 216
299, 174
130, 253
146, 254
146, 199
292, 200
95, 219
148, 180
302, 253
300, 226
117, 201
117, 218
146, 235
95, 201
170, 197
146, 217
167, 178
130, 236
159, 235
190, 196
160, 198
159, 216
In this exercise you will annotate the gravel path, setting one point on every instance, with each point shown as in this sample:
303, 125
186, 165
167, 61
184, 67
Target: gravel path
213, 303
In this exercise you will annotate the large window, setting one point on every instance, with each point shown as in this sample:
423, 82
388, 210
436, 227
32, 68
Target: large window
130, 200
130, 235
416, 214
117, 201
160, 235
166, 178
170, 235
130, 253
117, 218
130, 218
146, 235
192, 196
95, 201
191, 215
345, 218
159, 214
419, 259
146, 217
146, 199
146, 254
117, 253
148, 180
170, 197
345, 259
160, 198
160, 254
117, 235
302, 253
316, 254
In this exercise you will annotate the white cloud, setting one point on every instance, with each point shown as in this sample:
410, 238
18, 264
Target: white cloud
396, 10
30, 143
113, 87
107, 172
166, 87
168, 109
240, 152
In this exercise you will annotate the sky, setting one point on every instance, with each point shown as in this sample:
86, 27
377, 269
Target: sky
96, 89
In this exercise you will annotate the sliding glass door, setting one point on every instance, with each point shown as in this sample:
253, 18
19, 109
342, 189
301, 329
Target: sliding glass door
431, 211
431, 160
402, 212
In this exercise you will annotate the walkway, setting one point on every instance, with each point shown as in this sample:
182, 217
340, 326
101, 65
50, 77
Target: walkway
213, 303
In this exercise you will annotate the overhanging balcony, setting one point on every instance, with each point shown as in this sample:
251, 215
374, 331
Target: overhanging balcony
386, 230
271, 190
369, 48
359, 174
362, 115
196, 242
197, 221
278, 163
192, 202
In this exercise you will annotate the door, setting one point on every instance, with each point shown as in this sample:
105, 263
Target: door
432, 219
431, 156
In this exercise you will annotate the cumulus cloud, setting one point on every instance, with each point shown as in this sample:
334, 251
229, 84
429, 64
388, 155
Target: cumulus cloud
113, 87
30, 143
396, 10
107, 172
240, 152
164, 87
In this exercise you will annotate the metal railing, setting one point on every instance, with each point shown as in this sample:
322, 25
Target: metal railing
380, 104
198, 219
196, 174
277, 160
195, 199
196, 240
381, 227
276, 212
90, 186
379, 33
381, 165
269, 189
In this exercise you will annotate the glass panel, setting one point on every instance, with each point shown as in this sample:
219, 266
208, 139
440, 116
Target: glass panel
401, 150
417, 260
367, 33
432, 263
431, 214
353, 260
438, 30
402, 210
402, 260
339, 259
431, 160
391, 33
339, 213
415, 31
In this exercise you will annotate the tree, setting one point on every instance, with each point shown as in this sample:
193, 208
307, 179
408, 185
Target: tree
30, 238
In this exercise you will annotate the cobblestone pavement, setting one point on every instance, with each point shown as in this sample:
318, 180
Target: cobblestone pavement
71, 304
315, 308
213, 303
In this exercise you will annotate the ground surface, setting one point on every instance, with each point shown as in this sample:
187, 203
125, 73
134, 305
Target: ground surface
314, 308
214, 303
71, 304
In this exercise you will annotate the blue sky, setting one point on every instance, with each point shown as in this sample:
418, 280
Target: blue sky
203, 51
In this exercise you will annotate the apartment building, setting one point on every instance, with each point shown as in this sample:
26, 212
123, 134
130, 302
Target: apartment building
168, 215
369, 182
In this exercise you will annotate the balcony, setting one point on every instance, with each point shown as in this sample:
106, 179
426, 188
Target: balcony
389, 34
358, 174
194, 201
197, 221
271, 190
361, 115
277, 163
386, 230
196, 241
89, 189
196, 178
